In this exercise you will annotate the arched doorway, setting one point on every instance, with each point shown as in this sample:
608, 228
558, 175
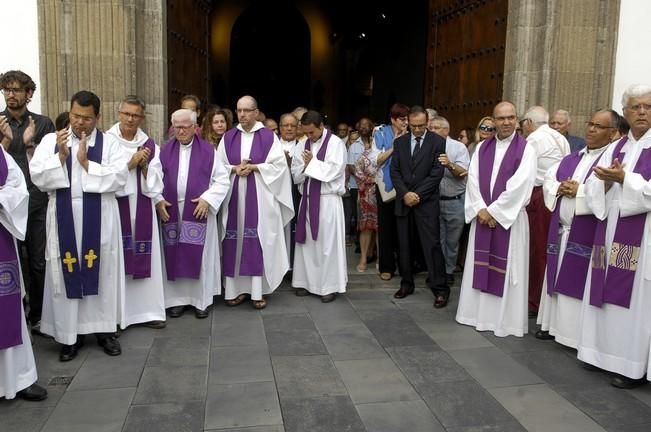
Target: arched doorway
270, 58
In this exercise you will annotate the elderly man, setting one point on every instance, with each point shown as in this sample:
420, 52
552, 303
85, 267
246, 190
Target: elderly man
550, 148
82, 168
289, 141
616, 324
143, 301
342, 131
195, 183
319, 170
500, 179
259, 207
571, 233
455, 160
560, 121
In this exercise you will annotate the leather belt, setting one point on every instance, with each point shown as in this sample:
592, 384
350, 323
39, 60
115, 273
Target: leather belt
446, 198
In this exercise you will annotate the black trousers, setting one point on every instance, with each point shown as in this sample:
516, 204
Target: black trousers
296, 197
426, 228
33, 261
387, 235
350, 212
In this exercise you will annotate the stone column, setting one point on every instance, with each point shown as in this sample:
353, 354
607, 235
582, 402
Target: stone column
561, 55
111, 47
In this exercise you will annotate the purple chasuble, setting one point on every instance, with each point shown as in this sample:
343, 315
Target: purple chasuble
80, 276
10, 295
613, 276
311, 199
184, 236
492, 244
571, 277
251, 259
137, 257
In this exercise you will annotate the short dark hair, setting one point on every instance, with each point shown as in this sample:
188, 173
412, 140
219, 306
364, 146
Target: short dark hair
20, 77
398, 110
62, 121
312, 117
86, 98
417, 109
193, 98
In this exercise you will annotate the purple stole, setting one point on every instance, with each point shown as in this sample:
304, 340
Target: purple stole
311, 197
10, 295
492, 244
251, 260
137, 260
184, 236
612, 277
576, 260
81, 277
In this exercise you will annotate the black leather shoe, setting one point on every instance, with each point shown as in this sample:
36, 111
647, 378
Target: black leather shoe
155, 324
440, 301
328, 298
110, 344
175, 311
33, 393
403, 292
302, 292
201, 313
69, 352
623, 382
543, 335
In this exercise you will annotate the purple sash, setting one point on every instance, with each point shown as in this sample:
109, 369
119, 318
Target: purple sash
184, 237
576, 260
613, 276
311, 197
137, 260
81, 278
10, 295
492, 244
251, 260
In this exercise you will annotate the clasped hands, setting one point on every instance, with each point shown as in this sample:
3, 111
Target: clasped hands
140, 158
485, 218
568, 188
411, 199
244, 168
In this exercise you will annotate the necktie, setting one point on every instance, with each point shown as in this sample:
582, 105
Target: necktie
417, 148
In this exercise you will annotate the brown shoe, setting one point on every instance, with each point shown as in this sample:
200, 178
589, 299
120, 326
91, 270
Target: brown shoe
259, 304
328, 298
237, 300
440, 301
386, 276
403, 292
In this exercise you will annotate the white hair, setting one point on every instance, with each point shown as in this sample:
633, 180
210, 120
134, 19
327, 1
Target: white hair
184, 113
634, 91
564, 113
538, 115
441, 120
431, 113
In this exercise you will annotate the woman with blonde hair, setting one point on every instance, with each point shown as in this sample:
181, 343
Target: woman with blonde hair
485, 129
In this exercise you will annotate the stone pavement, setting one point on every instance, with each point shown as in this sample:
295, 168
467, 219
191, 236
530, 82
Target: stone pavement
366, 362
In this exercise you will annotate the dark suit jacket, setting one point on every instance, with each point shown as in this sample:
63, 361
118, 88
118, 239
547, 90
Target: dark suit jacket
421, 175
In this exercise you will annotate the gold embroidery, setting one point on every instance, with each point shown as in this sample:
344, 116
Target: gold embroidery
623, 256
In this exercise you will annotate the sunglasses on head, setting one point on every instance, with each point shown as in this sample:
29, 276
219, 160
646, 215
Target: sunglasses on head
485, 128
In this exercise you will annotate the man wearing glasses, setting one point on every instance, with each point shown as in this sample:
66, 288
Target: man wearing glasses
20, 131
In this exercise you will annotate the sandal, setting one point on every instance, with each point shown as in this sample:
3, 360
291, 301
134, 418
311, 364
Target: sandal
386, 276
361, 268
237, 300
259, 304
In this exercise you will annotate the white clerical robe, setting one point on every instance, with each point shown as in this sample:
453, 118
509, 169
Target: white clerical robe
17, 366
65, 318
560, 314
506, 315
551, 146
289, 148
273, 185
613, 337
143, 299
320, 266
199, 292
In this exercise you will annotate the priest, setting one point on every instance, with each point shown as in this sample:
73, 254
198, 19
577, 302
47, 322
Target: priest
17, 366
143, 301
81, 168
260, 206
319, 170
195, 183
500, 180
571, 234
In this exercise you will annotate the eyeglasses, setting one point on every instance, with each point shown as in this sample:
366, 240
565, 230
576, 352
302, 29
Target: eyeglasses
15, 91
183, 128
131, 116
639, 107
485, 128
245, 110
76, 117
597, 126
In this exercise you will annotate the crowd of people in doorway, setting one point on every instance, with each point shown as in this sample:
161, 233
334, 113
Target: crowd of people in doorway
110, 229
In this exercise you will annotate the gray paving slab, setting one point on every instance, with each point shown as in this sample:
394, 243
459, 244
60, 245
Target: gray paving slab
452, 336
375, 380
100, 371
274, 428
187, 325
325, 414
168, 417
493, 368
512, 426
105, 410
643, 393
333, 316
527, 343
161, 384
394, 328
382, 305
180, 351
423, 312
541, 409
288, 322
242, 405
353, 343
230, 365
424, 365
284, 302
646, 427
292, 335
307, 377
409, 416
237, 327
23, 419
139, 337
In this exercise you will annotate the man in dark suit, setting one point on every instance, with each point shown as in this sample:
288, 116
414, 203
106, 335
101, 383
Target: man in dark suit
416, 174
